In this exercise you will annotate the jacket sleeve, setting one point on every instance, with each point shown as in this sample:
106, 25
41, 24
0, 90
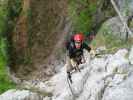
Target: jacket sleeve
87, 47
70, 50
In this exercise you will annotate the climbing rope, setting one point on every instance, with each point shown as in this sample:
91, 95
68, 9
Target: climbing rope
69, 84
83, 84
71, 90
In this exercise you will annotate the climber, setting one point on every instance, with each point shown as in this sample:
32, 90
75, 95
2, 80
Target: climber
75, 53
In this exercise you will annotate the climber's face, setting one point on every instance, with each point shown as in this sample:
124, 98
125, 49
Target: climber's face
78, 44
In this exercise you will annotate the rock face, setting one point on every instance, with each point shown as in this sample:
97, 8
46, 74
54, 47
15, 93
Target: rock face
114, 25
20, 95
38, 26
108, 77
125, 6
131, 56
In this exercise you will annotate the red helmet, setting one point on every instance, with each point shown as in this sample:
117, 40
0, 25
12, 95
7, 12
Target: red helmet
78, 37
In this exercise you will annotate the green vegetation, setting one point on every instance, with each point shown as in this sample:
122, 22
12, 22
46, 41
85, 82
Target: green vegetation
112, 42
5, 82
14, 8
81, 13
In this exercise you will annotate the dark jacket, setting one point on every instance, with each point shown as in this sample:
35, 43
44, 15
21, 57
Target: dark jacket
73, 52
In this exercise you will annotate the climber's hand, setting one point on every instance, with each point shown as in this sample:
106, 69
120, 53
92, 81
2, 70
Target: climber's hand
83, 60
92, 52
73, 63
